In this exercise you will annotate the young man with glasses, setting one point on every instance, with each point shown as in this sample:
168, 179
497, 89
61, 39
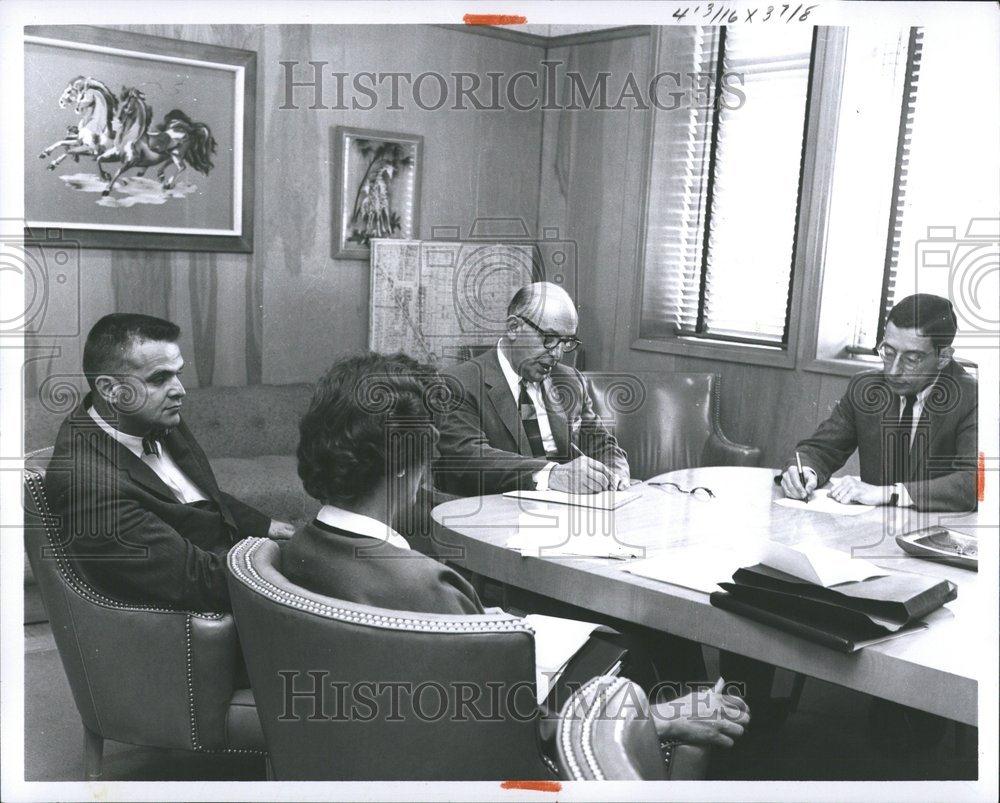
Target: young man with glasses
521, 420
913, 422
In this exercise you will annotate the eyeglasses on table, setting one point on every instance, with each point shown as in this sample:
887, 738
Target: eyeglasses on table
699, 492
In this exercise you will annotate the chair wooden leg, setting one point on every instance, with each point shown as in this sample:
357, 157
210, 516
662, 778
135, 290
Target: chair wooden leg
797, 686
268, 769
93, 754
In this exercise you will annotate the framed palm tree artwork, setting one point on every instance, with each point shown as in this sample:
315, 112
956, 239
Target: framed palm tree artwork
376, 188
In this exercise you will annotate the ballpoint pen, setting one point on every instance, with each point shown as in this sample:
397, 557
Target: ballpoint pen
802, 475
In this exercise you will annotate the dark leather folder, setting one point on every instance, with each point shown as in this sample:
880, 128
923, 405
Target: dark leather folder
845, 617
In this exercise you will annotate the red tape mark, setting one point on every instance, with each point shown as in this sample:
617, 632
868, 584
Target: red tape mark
535, 786
981, 478
494, 19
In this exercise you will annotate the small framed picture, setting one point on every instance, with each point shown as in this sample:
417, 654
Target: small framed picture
376, 186
135, 141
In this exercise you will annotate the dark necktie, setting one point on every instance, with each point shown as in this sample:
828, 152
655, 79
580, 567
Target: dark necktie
529, 420
151, 444
900, 469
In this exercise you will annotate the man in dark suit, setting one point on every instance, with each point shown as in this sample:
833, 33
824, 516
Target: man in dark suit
913, 422
521, 420
143, 517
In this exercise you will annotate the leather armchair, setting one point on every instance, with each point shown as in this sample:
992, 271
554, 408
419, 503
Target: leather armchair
139, 674
352, 692
667, 421
606, 733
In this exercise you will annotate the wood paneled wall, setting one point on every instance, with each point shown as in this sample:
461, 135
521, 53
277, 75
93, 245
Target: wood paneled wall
284, 312
591, 189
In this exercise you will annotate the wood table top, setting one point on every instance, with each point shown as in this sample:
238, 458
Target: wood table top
934, 670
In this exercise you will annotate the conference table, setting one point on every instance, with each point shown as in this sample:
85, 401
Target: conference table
934, 670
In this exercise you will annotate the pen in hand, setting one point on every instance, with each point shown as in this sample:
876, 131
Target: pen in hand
616, 480
802, 475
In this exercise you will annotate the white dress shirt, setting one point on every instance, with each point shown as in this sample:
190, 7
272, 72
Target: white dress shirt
352, 522
162, 463
535, 393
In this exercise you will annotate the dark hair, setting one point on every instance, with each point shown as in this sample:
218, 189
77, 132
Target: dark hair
112, 337
369, 417
932, 316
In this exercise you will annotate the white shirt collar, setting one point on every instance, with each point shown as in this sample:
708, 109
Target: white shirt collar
131, 442
512, 376
352, 522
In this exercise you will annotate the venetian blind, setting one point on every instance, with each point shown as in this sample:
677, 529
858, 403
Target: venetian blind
907, 112
724, 188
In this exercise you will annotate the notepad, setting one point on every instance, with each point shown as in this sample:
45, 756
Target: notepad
606, 500
820, 502
556, 641
818, 564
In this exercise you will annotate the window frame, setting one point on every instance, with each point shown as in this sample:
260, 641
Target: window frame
816, 175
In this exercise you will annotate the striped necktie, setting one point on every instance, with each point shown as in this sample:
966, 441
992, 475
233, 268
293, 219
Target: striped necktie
899, 471
529, 420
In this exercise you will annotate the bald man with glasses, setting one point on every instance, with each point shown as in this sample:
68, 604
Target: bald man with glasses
913, 421
522, 420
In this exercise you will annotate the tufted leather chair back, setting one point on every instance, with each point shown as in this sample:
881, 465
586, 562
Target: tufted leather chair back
606, 733
352, 692
667, 421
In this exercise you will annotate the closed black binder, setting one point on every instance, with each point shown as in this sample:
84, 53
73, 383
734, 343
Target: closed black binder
847, 616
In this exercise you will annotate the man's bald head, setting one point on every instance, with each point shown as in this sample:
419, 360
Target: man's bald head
542, 301
538, 311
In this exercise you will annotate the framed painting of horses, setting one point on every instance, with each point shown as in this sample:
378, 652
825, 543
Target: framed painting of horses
376, 188
135, 141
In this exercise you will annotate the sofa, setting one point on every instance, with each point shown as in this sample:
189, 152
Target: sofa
250, 435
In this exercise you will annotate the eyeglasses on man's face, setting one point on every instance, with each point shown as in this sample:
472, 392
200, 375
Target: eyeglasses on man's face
551, 339
909, 360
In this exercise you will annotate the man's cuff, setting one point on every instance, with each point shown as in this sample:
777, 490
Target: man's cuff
541, 478
903, 499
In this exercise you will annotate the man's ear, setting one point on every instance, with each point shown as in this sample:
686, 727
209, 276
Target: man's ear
108, 388
944, 355
513, 325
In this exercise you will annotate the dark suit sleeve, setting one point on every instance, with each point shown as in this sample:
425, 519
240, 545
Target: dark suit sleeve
956, 490
136, 556
594, 438
833, 442
249, 520
467, 463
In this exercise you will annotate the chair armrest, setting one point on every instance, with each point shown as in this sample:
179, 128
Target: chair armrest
720, 451
688, 762
214, 658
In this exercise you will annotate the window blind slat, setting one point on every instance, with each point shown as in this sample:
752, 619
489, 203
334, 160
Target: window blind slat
718, 255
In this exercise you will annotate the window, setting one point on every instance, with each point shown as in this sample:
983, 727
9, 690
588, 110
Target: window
871, 160
724, 187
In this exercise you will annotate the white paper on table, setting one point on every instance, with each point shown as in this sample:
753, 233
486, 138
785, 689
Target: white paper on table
606, 500
556, 641
818, 564
532, 544
820, 502
698, 567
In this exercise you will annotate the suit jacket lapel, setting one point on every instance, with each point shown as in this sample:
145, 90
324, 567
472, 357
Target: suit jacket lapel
502, 399
126, 461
